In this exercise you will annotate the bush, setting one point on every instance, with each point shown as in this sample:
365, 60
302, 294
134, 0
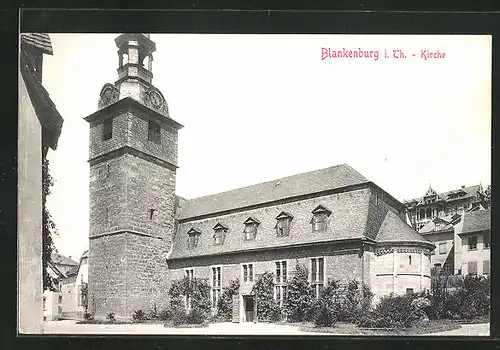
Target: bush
225, 304
195, 316
352, 305
153, 313
299, 295
111, 317
391, 312
327, 306
267, 308
325, 317
165, 315
198, 291
139, 316
179, 316
88, 316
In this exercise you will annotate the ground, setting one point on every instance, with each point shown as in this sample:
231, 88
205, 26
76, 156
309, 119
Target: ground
225, 328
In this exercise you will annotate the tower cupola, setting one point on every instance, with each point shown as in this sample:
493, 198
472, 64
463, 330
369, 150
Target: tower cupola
135, 74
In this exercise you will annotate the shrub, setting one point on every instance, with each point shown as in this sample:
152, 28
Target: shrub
263, 289
179, 316
153, 313
88, 316
111, 317
325, 317
225, 304
139, 316
198, 291
165, 315
352, 305
195, 316
391, 312
299, 295
327, 306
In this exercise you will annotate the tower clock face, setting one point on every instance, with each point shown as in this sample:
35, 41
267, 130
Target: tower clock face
156, 99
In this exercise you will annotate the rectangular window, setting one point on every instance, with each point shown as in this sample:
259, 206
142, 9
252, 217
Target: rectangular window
216, 285
60, 299
250, 231
107, 129
319, 222
442, 248
472, 243
44, 303
154, 132
486, 267
472, 267
248, 273
486, 241
190, 274
409, 291
280, 282
219, 237
283, 227
317, 275
193, 241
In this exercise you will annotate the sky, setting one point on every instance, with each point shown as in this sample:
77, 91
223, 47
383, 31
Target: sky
260, 107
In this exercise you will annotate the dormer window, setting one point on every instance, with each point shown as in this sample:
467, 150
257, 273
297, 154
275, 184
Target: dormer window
283, 224
319, 220
193, 238
250, 230
219, 234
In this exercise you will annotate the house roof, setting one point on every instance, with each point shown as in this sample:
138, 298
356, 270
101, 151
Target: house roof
60, 259
45, 109
468, 192
39, 40
292, 186
432, 227
394, 229
479, 220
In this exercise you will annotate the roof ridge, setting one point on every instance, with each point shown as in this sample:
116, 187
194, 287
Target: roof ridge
345, 165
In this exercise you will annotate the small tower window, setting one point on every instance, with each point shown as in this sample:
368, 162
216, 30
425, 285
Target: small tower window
283, 224
219, 234
154, 132
151, 213
107, 129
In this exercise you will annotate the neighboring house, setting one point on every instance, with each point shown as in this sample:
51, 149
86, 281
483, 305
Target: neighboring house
473, 243
462, 242
143, 236
52, 300
73, 290
63, 263
39, 128
433, 204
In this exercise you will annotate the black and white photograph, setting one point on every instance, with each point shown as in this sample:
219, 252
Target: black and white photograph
254, 184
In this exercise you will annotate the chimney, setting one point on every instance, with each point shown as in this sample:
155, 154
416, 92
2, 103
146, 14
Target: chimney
69, 257
463, 186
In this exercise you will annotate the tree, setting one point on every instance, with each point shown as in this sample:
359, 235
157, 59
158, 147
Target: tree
225, 304
299, 295
263, 289
48, 227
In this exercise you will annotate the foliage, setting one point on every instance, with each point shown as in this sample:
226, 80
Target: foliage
299, 295
327, 306
352, 304
391, 312
267, 308
225, 304
153, 313
198, 291
469, 300
111, 317
165, 315
88, 316
139, 316
48, 228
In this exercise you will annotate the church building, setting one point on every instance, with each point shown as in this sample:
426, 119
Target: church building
143, 235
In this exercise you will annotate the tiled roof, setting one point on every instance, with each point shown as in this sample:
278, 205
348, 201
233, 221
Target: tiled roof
469, 193
45, 109
478, 220
292, 186
431, 226
394, 229
62, 260
38, 40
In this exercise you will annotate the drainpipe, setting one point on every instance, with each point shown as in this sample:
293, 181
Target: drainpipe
362, 255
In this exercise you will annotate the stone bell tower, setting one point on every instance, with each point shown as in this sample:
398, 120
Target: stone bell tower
133, 162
